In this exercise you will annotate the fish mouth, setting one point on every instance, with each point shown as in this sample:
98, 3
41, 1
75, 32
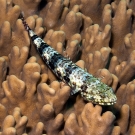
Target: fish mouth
105, 101
97, 102
100, 100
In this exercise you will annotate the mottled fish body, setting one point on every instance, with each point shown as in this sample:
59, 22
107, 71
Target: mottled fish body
91, 88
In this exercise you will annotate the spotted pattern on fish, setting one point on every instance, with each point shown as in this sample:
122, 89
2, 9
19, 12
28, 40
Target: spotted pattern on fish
90, 88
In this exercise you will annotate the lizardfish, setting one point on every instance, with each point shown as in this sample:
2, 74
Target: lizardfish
90, 87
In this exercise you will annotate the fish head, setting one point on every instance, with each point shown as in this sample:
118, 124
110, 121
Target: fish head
99, 93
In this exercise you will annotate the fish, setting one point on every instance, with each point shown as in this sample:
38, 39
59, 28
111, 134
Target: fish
91, 88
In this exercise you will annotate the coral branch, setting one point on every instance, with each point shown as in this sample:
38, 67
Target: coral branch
38, 130
14, 124
29, 7
3, 71
92, 122
121, 25
9, 38
31, 76
97, 60
54, 95
93, 9
7, 11
94, 39
116, 130
52, 123
54, 10
126, 68
126, 95
124, 119
72, 24
17, 59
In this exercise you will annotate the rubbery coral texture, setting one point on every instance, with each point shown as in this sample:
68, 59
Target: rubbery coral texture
97, 35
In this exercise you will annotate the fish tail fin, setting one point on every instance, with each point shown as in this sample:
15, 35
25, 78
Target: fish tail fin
24, 22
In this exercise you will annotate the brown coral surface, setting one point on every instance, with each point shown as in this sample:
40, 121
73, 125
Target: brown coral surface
98, 35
